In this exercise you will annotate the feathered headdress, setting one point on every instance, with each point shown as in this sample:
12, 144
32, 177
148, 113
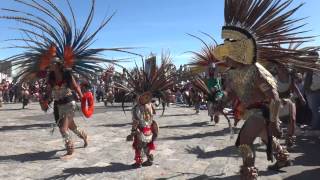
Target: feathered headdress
48, 33
150, 81
108, 72
256, 30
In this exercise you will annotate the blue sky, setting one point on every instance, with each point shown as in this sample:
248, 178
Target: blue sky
156, 26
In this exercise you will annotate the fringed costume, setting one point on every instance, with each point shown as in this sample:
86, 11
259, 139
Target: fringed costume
56, 49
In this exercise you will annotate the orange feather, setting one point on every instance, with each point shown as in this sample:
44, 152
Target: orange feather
68, 57
45, 58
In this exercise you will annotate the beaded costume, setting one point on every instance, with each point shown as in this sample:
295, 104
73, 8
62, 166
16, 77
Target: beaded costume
145, 83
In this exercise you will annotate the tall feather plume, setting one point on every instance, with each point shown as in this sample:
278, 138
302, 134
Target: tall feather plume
160, 79
139, 81
46, 24
200, 85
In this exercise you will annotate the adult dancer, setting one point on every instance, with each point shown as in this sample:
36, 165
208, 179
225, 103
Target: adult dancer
57, 50
252, 33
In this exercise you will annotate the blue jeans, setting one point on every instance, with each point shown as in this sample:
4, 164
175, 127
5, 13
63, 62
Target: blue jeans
314, 104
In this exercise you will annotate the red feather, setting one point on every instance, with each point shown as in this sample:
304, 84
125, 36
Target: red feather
45, 58
68, 57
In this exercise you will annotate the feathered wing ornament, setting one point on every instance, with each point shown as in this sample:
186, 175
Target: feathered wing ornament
45, 25
310, 53
258, 30
200, 84
139, 82
205, 58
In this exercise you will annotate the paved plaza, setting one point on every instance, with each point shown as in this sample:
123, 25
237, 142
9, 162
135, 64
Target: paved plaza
188, 148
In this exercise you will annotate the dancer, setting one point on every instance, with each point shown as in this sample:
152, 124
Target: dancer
214, 85
25, 92
287, 80
146, 84
211, 87
1, 93
252, 33
59, 51
61, 85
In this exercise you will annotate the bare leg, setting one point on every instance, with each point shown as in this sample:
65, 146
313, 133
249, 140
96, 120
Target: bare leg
280, 153
67, 138
80, 133
251, 129
292, 123
274, 108
210, 110
153, 109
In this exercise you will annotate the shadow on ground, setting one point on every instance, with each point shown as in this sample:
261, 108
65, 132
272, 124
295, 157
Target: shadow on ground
230, 151
179, 174
30, 157
205, 177
17, 109
114, 125
177, 115
309, 146
313, 174
113, 167
25, 127
199, 135
198, 124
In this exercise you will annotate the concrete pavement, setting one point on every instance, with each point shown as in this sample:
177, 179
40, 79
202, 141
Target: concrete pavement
188, 148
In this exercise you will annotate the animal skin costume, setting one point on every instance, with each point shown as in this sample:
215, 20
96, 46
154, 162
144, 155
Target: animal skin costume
252, 33
50, 41
145, 84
